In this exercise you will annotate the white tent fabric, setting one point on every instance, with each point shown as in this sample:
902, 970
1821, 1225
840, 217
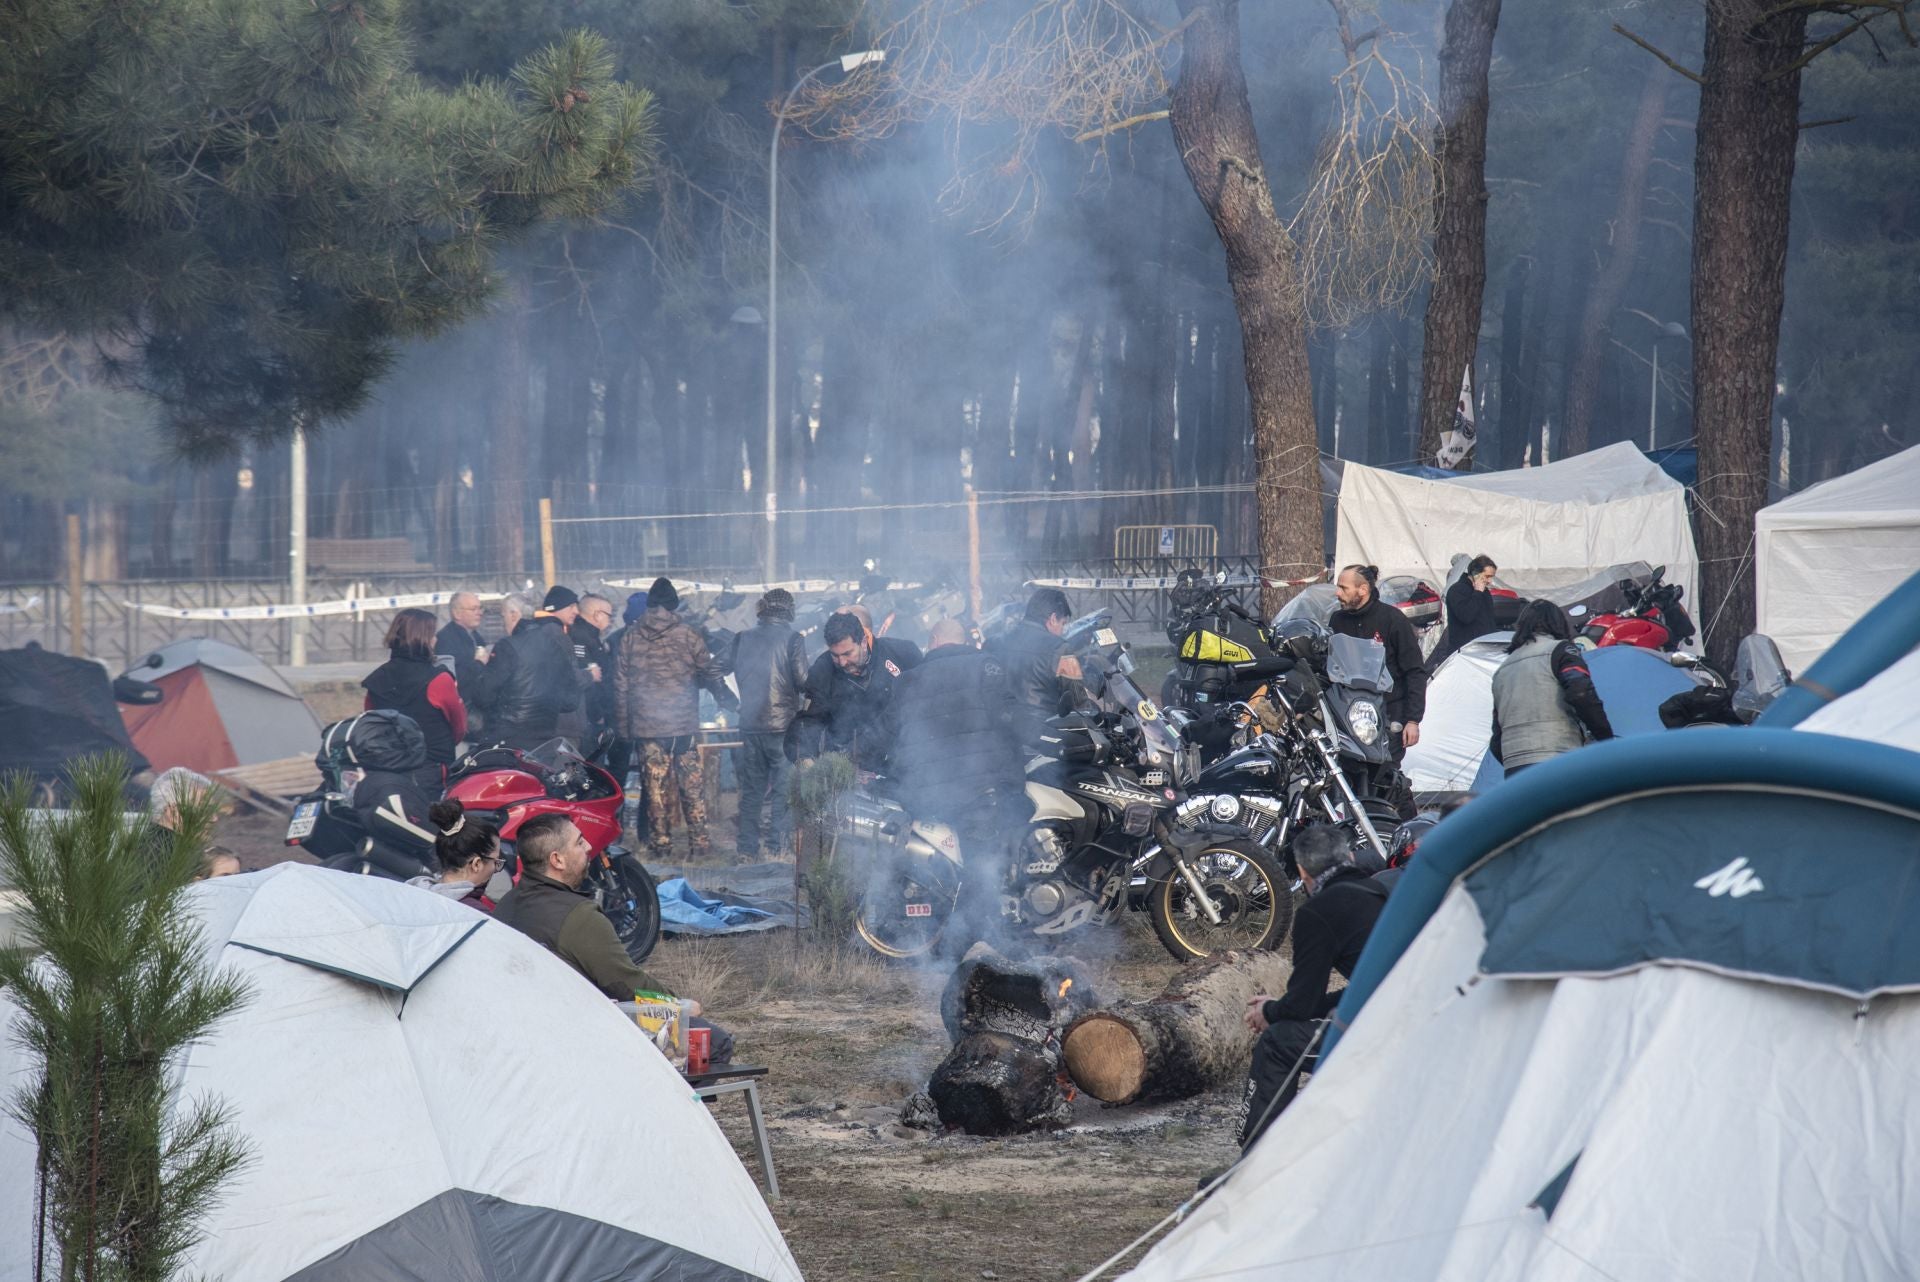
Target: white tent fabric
1813, 550
1453, 735
1547, 527
502, 1078
1884, 710
1724, 1128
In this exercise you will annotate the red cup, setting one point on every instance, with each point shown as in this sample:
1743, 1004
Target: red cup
699, 1048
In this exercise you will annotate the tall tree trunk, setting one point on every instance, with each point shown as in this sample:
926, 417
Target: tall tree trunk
1743, 183
1460, 215
1515, 339
1604, 299
1213, 125
507, 457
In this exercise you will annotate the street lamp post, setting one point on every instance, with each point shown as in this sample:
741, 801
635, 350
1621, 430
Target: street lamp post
847, 63
1661, 329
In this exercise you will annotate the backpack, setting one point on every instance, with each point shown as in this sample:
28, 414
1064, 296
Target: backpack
383, 739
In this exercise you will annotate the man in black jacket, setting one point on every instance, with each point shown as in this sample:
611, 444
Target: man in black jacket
460, 639
1469, 609
955, 727
1363, 614
770, 669
848, 690
532, 677
1329, 933
1044, 676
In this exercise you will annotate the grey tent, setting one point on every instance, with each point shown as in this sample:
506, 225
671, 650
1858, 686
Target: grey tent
222, 707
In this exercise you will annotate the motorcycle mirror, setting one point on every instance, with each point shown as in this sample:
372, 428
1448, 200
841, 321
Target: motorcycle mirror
1576, 612
1659, 572
1681, 659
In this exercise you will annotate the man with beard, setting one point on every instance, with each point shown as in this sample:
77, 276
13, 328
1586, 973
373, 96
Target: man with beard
848, 691
1363, 614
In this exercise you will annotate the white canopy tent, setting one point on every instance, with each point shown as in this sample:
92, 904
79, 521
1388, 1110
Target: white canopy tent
1546, 527
401, 1076
1818, 553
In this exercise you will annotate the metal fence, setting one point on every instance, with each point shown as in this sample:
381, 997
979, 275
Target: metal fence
115, 630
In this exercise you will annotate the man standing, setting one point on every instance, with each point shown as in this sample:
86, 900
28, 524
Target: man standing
955, 727
1469, 608
550, 907
1044, 676
662, 666
848, 691
770, 667
1329, 932
460, 639
531, 677
591, 653
1363, 614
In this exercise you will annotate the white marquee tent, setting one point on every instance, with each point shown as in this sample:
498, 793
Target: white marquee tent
1819, 553
428, 1094
1546, 527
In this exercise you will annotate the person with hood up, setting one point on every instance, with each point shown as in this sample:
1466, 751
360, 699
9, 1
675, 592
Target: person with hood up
770, 667
411, 682
532, 677
658, 673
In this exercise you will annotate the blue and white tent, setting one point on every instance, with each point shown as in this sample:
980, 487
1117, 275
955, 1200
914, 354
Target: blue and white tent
1651, 1013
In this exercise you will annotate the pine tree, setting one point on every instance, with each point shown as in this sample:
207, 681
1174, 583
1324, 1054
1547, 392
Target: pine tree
111, 987
257, 198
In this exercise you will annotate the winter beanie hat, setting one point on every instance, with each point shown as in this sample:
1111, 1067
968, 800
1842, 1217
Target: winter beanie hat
559, 598
636, 606
777, 604
662, 594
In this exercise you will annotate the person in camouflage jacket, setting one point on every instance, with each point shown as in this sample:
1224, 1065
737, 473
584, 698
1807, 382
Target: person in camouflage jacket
660, 668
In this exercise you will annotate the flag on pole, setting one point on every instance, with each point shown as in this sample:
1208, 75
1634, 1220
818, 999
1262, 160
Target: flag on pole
1458, 443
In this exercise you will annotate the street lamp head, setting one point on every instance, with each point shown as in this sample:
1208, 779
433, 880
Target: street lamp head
747, 316
850, 61
1673, 329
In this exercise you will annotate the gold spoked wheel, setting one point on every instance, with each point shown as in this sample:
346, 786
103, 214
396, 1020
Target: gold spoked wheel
1246, 887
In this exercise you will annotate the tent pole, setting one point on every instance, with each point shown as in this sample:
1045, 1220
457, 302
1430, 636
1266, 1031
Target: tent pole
297, 544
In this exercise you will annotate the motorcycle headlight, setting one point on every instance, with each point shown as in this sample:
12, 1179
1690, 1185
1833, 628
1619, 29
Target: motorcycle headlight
1365, 720
1226, 808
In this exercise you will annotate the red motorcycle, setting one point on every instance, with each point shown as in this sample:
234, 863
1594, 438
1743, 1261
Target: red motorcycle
1652, 618
375, 823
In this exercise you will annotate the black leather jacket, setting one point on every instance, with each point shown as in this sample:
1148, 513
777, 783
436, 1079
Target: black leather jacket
955, 729
531, 679
1032, 657
770, 667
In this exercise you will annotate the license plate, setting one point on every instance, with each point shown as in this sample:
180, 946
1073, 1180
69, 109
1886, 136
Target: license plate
919, 910
305, 815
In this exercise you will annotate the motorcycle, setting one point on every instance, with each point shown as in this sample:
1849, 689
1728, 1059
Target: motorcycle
1222, 654
1652, 618
373, 822
1309, 741
1104, 794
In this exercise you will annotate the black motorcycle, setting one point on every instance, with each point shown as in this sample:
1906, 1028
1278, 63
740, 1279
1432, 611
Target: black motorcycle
1222, 654
1105, 795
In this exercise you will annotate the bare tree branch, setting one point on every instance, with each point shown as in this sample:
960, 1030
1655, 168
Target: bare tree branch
1691, 75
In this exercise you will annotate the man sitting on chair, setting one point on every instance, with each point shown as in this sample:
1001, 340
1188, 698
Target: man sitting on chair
550, 907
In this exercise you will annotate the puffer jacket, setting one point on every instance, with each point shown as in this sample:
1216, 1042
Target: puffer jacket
1032, 657
770, 667
530, 680
662, 666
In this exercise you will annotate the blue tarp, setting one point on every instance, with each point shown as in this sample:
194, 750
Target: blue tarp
685, 911
1632, 682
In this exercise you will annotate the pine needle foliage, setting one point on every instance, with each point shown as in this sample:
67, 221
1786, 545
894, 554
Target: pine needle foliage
255, 200
111, 986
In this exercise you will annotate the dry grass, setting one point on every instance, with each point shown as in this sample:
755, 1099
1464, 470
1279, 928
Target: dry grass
744, 971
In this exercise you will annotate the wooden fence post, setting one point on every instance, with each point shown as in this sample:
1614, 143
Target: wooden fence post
546, 546
76, 590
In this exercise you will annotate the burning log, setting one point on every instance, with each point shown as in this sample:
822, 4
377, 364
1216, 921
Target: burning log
1005, 1017
1188, 1039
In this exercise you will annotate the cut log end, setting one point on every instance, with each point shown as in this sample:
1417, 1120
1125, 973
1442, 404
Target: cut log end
1105, 1058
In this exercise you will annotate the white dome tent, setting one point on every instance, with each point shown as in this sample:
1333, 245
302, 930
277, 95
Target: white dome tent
401, 1075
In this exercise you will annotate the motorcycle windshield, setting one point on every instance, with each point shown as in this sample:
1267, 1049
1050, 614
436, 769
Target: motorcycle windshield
1161, 744
553, 755
1359, 663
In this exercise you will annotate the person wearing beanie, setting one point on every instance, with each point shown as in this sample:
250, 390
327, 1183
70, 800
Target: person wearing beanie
770, 667
658, 672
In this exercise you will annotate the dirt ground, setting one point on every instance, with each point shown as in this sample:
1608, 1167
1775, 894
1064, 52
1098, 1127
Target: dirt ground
847, 1039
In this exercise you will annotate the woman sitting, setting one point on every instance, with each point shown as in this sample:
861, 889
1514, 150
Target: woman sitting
469, 854
411, 682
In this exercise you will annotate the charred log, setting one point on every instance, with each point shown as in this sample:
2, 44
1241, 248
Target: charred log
1033, 999
997, 1084
1187, 1040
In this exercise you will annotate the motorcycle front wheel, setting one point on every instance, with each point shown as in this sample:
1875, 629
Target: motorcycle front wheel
630, 899
905, 904
1246, 887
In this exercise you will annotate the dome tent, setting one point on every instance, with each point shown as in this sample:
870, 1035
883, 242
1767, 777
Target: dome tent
222, 708
1688, 1058
400, 1077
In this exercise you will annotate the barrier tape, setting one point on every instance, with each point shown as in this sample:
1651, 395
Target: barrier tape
312, 610
750, 589
31, 603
